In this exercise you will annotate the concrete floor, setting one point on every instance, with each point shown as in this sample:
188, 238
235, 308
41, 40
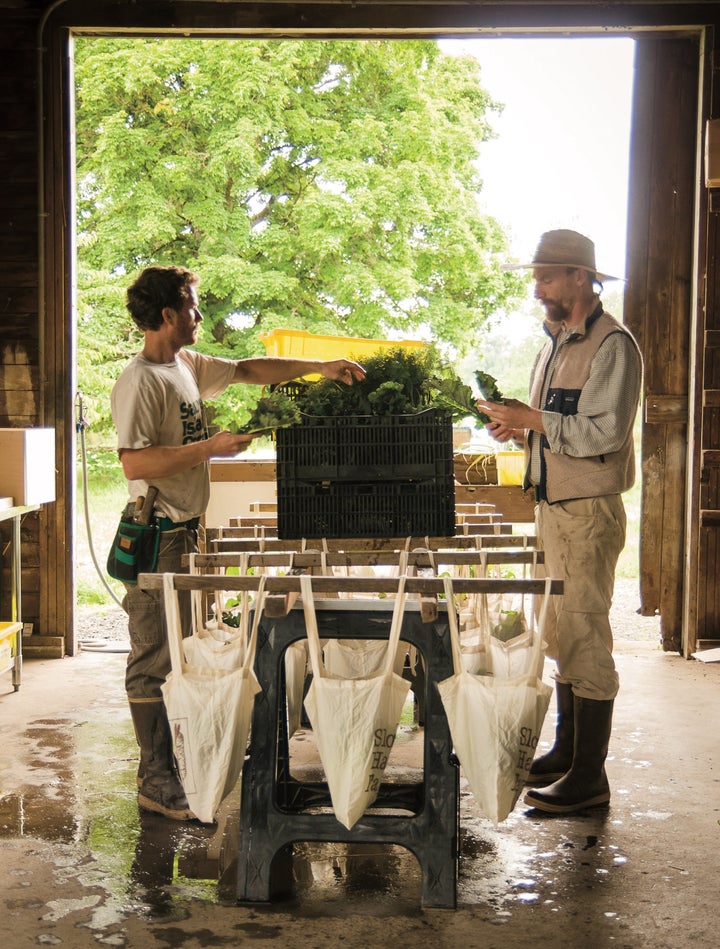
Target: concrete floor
83, 868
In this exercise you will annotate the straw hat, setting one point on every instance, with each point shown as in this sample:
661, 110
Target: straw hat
563, 248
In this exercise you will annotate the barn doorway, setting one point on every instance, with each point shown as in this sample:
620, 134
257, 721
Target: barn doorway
667, 251
538, 173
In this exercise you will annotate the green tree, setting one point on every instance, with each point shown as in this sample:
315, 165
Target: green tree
329, 186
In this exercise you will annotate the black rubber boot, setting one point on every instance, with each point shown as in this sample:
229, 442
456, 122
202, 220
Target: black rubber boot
160, 789
557, 761
586, 784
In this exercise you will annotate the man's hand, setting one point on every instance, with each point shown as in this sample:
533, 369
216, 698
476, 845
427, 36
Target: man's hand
272, 370
510, 419
343, 370
164, 461
224, 444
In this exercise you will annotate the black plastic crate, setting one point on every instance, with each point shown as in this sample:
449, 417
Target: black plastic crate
367, 448
366, 509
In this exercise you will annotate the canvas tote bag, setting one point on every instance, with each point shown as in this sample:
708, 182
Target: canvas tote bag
226, 644
355, 720
498, 634
215, 643
355, 658
209, 708
495, 722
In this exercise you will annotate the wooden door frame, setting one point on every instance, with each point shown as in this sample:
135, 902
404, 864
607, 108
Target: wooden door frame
240, 19
663, 306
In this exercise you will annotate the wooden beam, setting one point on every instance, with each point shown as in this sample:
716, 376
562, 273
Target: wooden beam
367, 558
664, 409
423, 585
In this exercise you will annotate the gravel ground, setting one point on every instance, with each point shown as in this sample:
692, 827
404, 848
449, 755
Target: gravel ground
109, 625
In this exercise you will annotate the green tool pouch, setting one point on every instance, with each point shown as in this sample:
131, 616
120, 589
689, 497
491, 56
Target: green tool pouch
134, 550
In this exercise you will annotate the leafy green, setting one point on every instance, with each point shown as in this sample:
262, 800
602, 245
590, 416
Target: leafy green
488, 390
270, 413
453, 394
398, 381
488, 387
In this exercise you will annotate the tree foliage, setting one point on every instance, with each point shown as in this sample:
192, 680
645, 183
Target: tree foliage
322, 185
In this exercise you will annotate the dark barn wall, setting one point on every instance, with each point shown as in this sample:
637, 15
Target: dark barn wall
20, 374
36, 387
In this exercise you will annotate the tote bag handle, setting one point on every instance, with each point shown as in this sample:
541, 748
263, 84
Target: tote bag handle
219, 600
312, 629
537, 640
458, 665
174, 630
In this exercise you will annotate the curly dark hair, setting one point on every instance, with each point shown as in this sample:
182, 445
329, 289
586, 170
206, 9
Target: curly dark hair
156, 288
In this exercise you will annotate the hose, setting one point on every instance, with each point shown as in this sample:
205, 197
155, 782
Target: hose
80, 427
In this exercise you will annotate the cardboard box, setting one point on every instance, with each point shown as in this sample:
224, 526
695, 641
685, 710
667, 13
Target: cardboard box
27, 464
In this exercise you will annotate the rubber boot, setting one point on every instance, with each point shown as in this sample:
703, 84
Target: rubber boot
160, 789
586, 784
553, 765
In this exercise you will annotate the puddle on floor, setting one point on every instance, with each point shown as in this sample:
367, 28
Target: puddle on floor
75, 789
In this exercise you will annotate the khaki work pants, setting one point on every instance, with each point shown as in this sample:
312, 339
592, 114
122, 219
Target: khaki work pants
149, 658
582, 540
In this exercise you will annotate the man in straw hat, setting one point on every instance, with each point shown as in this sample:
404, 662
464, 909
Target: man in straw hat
578, 435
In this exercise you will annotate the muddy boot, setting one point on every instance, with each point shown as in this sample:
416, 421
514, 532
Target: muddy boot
557, 761
585, 784
160, 790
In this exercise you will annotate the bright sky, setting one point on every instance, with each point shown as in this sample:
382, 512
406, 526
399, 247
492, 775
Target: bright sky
560, 158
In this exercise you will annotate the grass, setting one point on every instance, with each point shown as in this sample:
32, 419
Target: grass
106, 497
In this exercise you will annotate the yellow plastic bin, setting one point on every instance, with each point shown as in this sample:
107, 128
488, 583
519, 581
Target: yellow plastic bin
10, 633
510, 466
300, 344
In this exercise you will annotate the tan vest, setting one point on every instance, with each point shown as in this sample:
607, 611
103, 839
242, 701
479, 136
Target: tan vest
566, 477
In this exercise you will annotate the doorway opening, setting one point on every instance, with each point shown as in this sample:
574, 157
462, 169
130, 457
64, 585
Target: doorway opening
545, 168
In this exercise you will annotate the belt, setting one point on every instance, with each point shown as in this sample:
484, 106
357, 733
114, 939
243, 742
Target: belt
166, 524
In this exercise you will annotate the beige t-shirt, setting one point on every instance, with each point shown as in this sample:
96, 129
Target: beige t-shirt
162, 404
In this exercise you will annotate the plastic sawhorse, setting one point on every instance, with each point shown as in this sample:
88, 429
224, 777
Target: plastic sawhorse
274, 807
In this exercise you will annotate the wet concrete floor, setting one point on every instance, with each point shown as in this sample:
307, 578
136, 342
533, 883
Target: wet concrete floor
82, 867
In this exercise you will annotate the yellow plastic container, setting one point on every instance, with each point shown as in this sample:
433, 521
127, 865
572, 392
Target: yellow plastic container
300, 344
510, 466
9, 633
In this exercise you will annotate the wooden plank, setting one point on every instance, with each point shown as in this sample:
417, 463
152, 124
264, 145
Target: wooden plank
261, 532
658, 304
55, 397
479, 542
366, 558
673, 553
510, 500
711, 398
424, 585
43, 647
665, 409
237, 470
